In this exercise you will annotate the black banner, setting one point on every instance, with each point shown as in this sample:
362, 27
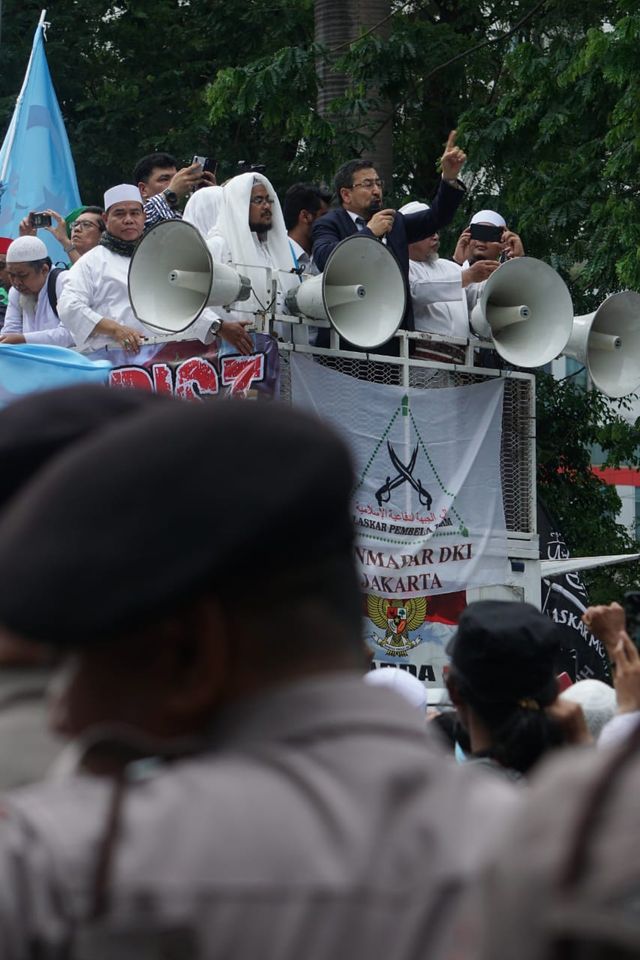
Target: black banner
564, 599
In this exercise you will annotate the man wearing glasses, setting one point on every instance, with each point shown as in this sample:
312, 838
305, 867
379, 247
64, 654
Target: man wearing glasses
85, 232
251, 234
359, 190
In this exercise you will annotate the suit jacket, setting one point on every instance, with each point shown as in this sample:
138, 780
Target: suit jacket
408, 228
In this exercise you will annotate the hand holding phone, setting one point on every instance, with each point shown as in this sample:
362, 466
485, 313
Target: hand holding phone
38, 220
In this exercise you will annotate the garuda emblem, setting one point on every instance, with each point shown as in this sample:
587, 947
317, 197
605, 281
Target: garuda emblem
397, 618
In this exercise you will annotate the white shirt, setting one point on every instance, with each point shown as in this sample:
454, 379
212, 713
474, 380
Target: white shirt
439, 300
40, 325
310, 269
221, 252
473, 290
304, 259
97, 288
618, 729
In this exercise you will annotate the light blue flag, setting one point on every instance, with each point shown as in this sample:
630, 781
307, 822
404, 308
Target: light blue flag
28, 367
36, 167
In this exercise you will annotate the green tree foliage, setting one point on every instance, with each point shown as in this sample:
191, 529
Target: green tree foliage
407, 68
560, 145
131, 77
571, 422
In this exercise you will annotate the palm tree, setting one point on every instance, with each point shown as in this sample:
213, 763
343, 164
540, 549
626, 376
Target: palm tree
337, 24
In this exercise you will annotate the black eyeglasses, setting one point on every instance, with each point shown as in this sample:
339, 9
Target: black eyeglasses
261, 201
84, 225
369, 184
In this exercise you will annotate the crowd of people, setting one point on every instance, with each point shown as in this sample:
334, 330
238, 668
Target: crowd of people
196, 760
88, 306
215, 778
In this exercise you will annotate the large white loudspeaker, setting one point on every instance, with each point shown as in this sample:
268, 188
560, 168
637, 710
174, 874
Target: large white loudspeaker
173, 277
607, 342
361, 292
526, 309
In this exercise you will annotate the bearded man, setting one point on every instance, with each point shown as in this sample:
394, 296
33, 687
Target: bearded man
31, 315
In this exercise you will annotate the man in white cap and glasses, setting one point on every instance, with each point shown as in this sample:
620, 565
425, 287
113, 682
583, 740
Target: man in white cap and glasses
95, 303
31, 315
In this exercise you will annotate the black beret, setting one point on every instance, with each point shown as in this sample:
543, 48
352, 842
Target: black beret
504, 650
39, 425
129, 523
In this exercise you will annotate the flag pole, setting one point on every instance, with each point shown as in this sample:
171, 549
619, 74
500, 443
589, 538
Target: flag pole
14, 119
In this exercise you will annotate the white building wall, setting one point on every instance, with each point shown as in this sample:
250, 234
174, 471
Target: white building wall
627, 515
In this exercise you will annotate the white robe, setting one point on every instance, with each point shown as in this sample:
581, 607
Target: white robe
233, 241
40, 325
203, 208
439, 299
97, 289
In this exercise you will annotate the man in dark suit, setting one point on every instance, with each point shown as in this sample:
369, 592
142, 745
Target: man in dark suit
359, 190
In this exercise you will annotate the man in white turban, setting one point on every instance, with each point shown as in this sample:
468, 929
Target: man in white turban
251, 234
203, 209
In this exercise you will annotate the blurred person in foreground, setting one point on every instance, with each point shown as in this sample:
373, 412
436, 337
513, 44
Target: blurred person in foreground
33, 430
608, 622
565, 879
239, 790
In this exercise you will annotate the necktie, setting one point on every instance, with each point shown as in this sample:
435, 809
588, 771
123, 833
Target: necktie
360, 223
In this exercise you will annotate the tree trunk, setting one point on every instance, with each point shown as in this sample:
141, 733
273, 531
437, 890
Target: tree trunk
337, 23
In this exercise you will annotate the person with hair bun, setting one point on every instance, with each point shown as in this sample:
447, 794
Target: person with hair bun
502, 680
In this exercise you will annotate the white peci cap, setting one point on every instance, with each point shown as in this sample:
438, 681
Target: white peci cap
412, 690
489, 216
123, 192
26, 249
415, 206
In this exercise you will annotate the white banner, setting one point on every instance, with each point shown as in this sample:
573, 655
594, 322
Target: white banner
428, 500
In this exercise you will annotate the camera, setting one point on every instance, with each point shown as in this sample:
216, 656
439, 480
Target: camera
40, 220
486, 232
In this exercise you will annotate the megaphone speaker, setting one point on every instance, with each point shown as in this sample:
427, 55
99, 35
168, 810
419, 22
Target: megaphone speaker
526, 309
173, 277
607, 342
361, 292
